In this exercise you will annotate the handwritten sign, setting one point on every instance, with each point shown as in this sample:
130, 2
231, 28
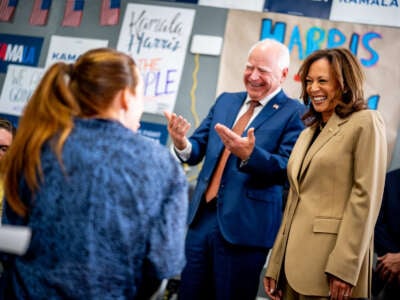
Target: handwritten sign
68, 49
157, 38
19, 85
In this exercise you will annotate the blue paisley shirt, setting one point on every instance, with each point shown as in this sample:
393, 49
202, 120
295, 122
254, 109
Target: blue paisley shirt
118, 205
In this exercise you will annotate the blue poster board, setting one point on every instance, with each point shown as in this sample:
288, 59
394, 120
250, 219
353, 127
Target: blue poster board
307, 8
183, 1
154, 131
19, 50
13, 119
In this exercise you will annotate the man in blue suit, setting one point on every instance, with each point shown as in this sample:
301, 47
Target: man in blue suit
233, 220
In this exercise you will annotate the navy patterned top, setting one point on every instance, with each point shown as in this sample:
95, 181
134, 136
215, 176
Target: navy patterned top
116, 211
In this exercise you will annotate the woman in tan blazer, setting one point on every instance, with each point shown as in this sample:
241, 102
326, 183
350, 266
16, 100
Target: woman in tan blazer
336, 172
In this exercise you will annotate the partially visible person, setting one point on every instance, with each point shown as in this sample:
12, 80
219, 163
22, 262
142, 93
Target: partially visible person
7, 131
386, 275
236, 207
107, 207
324, 247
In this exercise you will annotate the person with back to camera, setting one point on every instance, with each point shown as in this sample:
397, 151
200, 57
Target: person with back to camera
324, 247
236, 207
107, 207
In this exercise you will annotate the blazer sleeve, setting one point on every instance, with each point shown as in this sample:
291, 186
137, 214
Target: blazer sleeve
361, 212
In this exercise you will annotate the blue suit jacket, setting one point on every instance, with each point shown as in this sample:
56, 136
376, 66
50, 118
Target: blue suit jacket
250, 197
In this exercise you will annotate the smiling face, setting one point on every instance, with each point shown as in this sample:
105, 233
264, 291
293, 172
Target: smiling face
262, 74
322, 88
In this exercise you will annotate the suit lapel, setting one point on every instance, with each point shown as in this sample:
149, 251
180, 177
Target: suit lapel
330, 130
274, 105
298, 154
233, 109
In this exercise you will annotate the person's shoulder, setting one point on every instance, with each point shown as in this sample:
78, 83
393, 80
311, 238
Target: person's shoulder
294, 102
149, 145
295, 105
366, 115
156, 155
233, 94
154, 149
230, 97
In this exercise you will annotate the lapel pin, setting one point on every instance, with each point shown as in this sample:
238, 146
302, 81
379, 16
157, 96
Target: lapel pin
275, 106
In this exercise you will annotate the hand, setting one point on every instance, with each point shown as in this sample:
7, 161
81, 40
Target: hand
242, 147
339, 289
388, 267
270, 289
178, 127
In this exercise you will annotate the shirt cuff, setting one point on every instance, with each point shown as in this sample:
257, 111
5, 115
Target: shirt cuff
184, 154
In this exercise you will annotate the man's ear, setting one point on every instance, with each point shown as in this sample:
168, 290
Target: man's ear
125, 98
285, 73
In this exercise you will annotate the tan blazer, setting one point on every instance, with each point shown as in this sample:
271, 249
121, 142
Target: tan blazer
335, 194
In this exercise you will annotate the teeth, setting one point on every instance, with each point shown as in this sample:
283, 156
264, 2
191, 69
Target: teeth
319, 98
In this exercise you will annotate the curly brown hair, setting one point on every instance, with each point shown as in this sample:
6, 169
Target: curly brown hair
350, 78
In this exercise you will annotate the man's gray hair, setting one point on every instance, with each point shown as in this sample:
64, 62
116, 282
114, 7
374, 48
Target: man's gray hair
284, 55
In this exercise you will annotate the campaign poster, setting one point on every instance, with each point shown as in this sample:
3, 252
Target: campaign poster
68, 49
154, 131
308, 8
19, 50
19, 85
157, 38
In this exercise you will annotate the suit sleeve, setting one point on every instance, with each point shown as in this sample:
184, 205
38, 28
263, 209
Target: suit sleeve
199, 139
359, 218
273, 163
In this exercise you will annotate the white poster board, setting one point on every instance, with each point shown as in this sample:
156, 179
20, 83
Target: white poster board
19, 84
256, 5
68, 49
157, 38
383, 12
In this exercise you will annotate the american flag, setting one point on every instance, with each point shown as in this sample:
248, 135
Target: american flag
110, 12
7, 8
40, 12
73, 13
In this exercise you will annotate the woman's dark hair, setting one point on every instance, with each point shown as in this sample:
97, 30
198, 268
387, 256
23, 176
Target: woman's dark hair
350, 78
